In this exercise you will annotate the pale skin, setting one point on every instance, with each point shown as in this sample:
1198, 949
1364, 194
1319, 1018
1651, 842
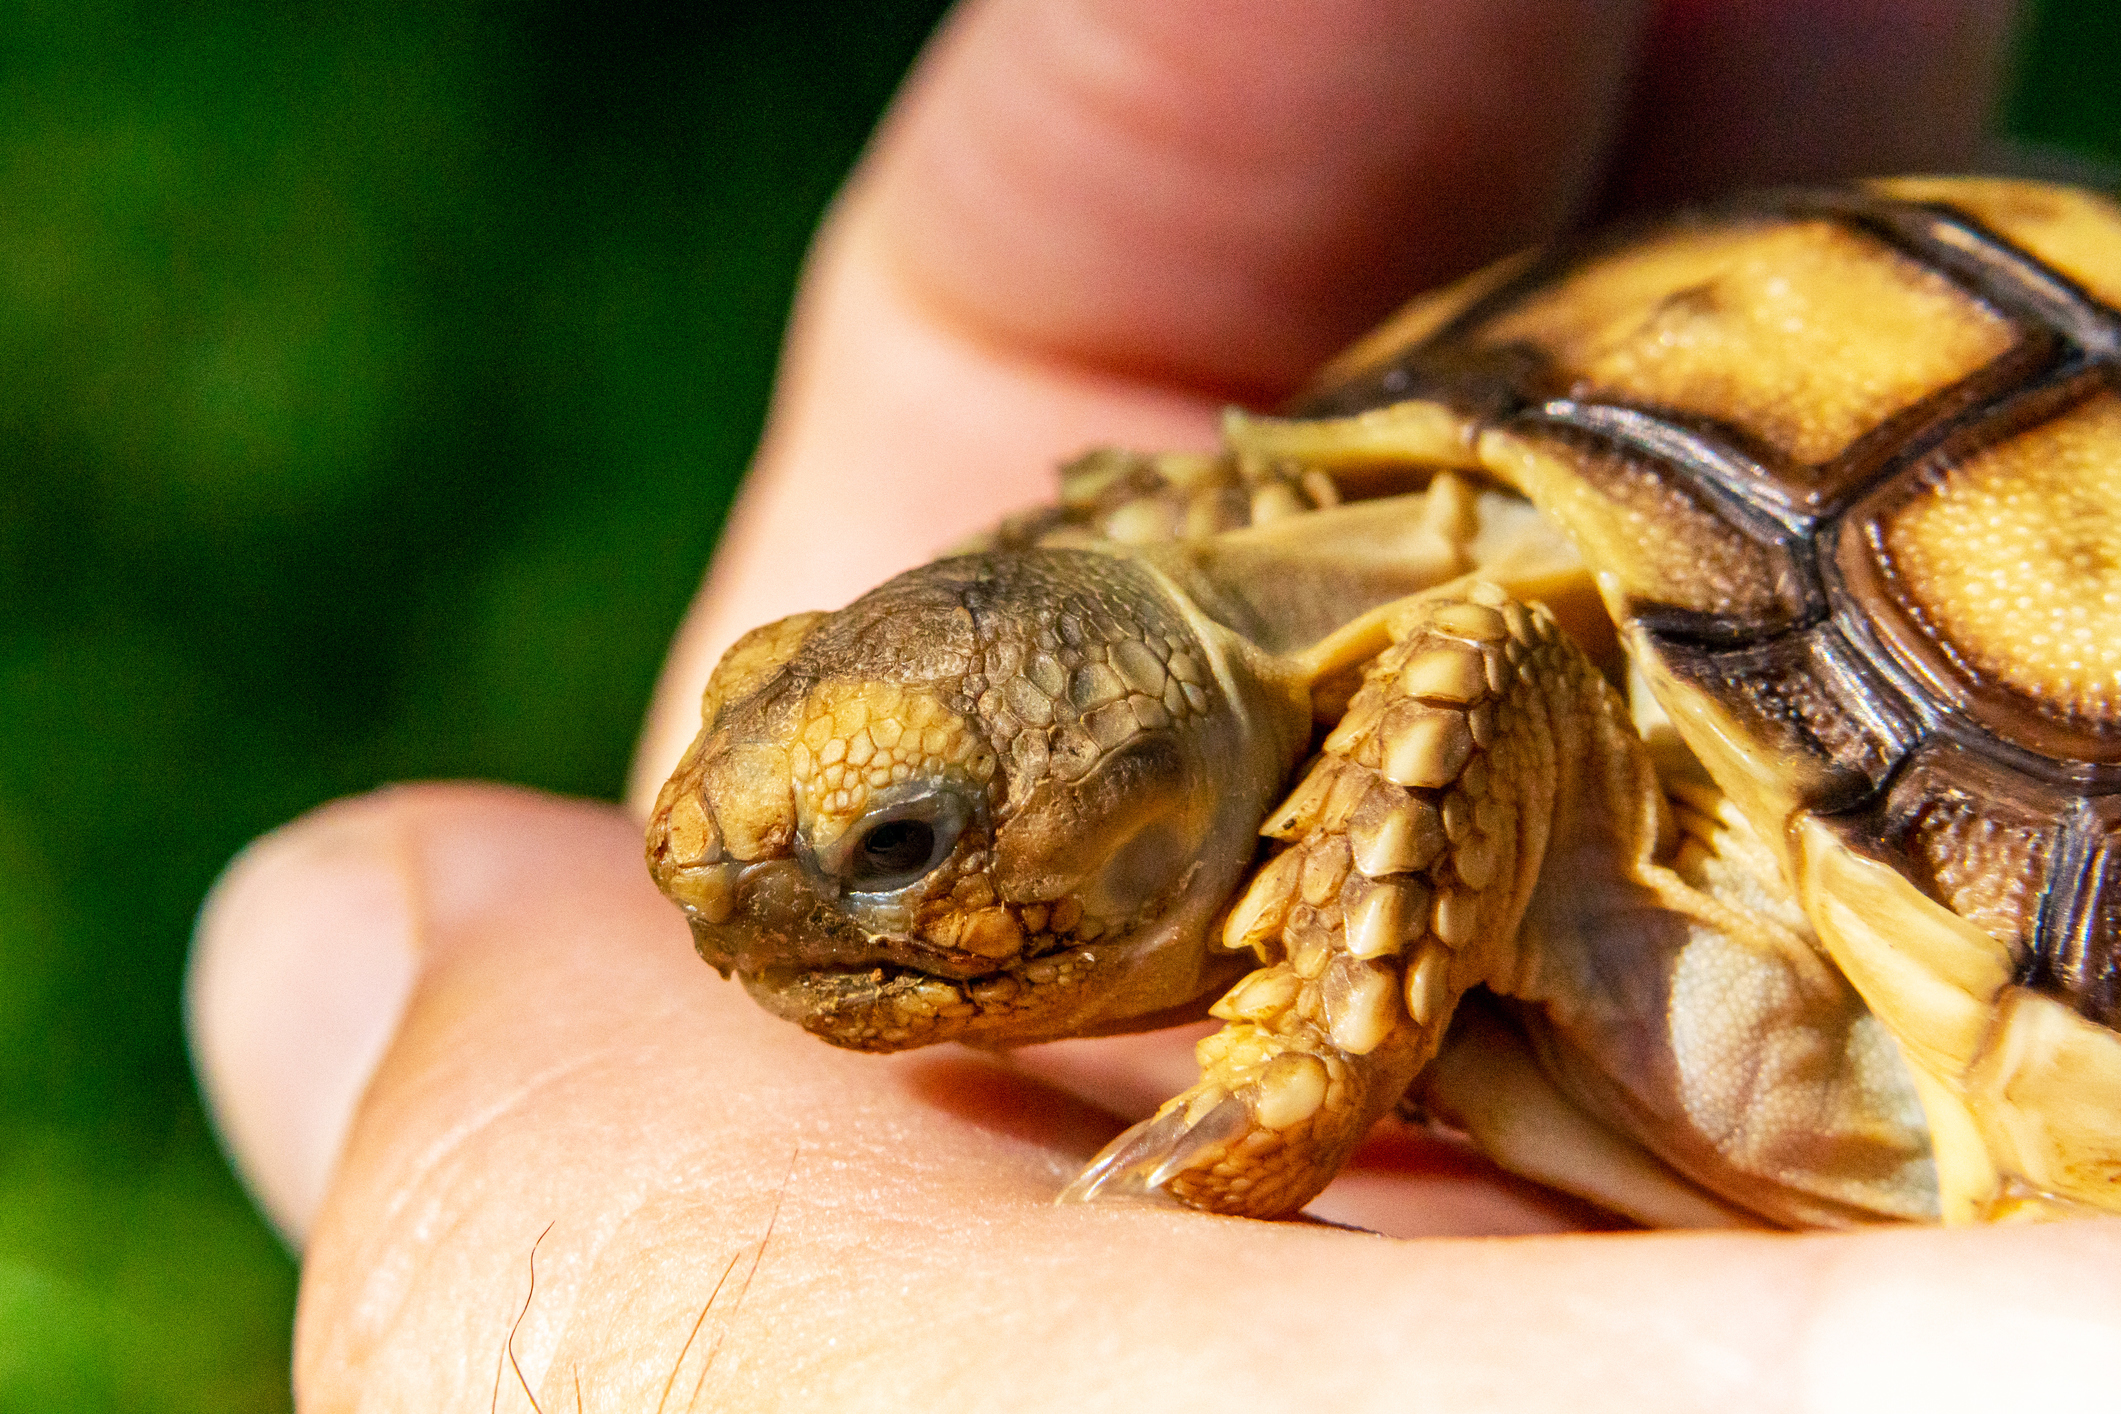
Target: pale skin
438, 1022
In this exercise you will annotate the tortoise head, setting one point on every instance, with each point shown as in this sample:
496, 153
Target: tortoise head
1001, 798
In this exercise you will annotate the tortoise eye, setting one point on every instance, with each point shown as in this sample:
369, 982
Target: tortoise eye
894, 847
899, 842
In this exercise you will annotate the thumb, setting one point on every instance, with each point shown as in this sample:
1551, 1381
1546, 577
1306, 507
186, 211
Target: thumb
301, 965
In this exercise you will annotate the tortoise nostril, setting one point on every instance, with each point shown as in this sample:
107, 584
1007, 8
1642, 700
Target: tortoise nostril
774, 892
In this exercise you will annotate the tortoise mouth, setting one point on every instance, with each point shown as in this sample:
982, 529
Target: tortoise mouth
807, 932
893, 1006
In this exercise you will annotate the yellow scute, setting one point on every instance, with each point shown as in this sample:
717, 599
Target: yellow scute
2013, 558
2077, 232
1804, 333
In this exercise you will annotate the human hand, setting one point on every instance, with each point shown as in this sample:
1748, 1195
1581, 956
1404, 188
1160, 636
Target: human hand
446, 1028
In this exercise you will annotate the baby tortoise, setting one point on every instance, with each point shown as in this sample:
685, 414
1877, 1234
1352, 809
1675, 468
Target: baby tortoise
1816, 925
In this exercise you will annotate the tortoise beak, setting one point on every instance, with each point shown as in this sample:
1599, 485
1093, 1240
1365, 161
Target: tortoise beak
722, 844
715, 862
686, 851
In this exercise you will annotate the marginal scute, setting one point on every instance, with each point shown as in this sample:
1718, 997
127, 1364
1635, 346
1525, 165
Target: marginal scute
2048, 1094
1976, 840
1656, 541
1418, 320
1791, 724
1804, 334
1928, 974
2085, 967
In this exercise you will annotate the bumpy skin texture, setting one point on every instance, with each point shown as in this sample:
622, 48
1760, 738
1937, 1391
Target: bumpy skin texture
954, 810
1843, 461
1411, 848
1008, 797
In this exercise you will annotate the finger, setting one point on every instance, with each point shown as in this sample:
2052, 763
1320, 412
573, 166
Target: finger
1219, 196
1201, 204
734, 1215
292, 995
1736, 93
891, 437
1091, 224
305, 956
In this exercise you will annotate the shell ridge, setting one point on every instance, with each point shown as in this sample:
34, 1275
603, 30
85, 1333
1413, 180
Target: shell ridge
1931, 716
1852, 623
1975, 258
1730, 482
1899, 724
2061, 931
1400, 378
2020, 277
1718, 470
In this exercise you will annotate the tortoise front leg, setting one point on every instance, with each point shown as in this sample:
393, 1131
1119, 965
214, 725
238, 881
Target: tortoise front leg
1412, 846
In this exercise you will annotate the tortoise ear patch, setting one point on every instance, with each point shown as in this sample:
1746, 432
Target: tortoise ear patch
1066, 832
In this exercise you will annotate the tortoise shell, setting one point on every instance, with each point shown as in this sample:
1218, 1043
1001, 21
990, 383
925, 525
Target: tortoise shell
1846, 468
1849, 462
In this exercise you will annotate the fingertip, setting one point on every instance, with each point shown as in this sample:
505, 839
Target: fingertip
894, 435
302, 962
1736, 94
1218, 196
1997, 1318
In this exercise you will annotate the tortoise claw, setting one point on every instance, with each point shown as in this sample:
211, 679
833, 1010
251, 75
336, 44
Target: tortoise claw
1142, 1160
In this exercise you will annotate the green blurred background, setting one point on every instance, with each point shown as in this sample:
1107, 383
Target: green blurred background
372, 385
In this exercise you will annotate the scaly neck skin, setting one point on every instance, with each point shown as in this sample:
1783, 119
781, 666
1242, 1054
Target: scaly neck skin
1270, 693
1241, 760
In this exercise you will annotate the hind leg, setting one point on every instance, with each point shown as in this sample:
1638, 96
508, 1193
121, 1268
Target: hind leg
1686, 1003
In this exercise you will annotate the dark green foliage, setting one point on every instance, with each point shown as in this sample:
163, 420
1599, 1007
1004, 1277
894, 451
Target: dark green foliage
352, 360
2069, 62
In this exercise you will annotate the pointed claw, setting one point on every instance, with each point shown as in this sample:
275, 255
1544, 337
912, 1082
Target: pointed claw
1117, 1169
1216, 1128
1142, 1160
